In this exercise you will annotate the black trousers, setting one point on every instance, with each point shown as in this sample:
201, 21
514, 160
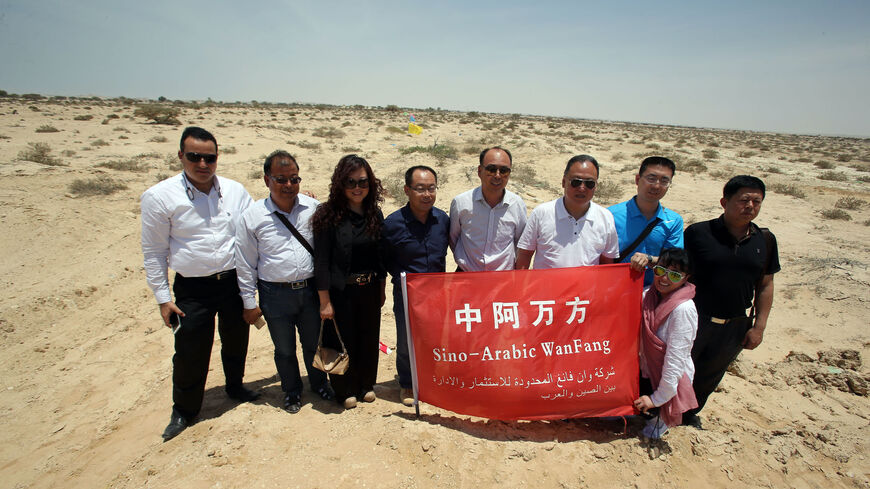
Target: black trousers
716, 346
201, 298
358, 315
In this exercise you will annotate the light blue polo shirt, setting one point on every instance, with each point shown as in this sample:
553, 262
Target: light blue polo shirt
630, 222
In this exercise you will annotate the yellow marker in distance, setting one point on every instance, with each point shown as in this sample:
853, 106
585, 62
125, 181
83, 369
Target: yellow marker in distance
414, 128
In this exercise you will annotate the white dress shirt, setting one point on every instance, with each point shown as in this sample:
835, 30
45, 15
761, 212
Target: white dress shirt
678, 333
188, 231
267, 250
560, 241
484, 237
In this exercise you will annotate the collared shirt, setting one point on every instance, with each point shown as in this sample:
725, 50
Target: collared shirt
727, 270
195, 237
560, 241
630, 222
412, 246
267, 250
484, 237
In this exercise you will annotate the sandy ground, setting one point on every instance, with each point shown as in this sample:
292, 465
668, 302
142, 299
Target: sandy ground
86, 371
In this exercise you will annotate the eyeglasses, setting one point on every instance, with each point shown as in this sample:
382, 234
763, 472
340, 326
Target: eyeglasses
673, 276
422, 190
576, 182
663, 181
197, 157
493, 169
283, 180
351, 183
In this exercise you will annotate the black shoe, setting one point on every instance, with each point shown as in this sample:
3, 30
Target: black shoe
692, 420
177, 424
239, 393
326, 393
292, 403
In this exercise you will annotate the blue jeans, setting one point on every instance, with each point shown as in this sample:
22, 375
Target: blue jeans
286, 310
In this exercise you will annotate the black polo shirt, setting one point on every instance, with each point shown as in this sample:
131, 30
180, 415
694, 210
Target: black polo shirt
726, 270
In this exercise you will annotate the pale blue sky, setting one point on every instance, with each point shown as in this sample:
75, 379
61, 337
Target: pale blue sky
786, 66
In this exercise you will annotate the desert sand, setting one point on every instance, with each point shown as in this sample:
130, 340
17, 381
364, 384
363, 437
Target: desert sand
86, 362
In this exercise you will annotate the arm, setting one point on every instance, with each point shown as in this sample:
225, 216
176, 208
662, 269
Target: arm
155, 248
524, 259
678, 352
247, 259
763, 303
454, 225
326, 311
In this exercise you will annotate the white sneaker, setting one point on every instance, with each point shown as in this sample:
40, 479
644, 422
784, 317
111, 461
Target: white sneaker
350, 403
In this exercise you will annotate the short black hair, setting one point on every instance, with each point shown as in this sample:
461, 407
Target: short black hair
483, 153
742, 181
657, 161
409, 173
197, 133
581, 159
278, 155
675, 258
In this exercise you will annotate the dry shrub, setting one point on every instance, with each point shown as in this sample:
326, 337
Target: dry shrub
158, 139
46, 128
40, 153
101, 185
134, 165
833, 176
850, 203
788, 189
836, 214
608, 192
824, 165
86, 117
160, 114
710, 154
99, 142
327, 132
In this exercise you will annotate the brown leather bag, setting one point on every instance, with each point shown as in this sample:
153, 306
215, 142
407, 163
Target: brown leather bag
327, 359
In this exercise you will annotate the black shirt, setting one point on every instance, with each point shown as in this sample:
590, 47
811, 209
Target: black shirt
727, 270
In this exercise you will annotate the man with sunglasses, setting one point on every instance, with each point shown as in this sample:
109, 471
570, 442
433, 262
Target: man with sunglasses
643, 214
414, 239
571, 231
278, 262
734, 262
188, 225
487, 221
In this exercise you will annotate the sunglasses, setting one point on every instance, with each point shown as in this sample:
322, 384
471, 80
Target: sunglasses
493, 169
576, 182
350, 183
284, 180
197, 157
673, 276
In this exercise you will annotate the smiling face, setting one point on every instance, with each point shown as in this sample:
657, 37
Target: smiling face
660, 176
742, 207
281, 187
422, 192
496, 180
664, 284
199, 173
357, 194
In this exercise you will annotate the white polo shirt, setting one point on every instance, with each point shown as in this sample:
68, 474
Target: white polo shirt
559, 241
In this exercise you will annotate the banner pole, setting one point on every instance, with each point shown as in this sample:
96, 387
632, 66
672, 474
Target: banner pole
410, 343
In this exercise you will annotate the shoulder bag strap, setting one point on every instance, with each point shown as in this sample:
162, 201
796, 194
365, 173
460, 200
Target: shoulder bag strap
648, 229
295, 232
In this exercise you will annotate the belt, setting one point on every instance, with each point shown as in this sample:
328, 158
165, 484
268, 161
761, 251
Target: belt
226, 274
299, 284
359, 278
726, 321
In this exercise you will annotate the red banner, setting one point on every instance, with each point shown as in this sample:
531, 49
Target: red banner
526, 344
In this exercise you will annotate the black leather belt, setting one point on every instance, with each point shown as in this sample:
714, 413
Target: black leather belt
226, 274
299, 284
360, 278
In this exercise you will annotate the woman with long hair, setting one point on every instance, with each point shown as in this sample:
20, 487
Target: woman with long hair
350, 275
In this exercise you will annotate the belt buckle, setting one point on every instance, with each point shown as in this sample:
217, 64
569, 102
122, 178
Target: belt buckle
718, 320
221, 275
299, 284
360, 279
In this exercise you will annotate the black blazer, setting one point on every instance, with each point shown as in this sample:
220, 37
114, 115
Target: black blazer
332, 255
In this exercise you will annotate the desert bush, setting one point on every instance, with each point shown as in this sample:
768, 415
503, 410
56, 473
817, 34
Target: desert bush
608, 192
802, 159
327, 132
158, 139
788, 189
395, 130
618, 156
844, 158
773, 169
394, 185
746, 154
161, 176
134, 165
710, 154
653, 146
101, 185
160, 114
837, 214
172, 162
229, 150
439, 151
256, 173
834, 176
85, 117
850, 203
46, 128
346, 123
864, 178
40, 153
350, 149
824, 165
306, 145
692, 166
68, 152
99, 142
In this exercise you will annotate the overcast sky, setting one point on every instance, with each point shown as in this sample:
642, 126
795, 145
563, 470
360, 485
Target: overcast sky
788, 66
